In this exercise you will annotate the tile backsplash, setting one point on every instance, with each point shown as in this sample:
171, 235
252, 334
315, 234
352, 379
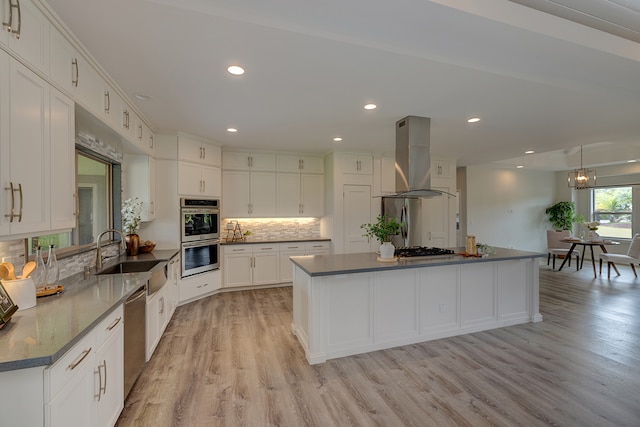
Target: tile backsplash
276, 228
14, 252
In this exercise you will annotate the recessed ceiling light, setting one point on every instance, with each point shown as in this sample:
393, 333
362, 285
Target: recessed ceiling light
473, 120
631, 161
236, 70
529, 152
337, 139
232, 130
519, 166
142, 96
370, 107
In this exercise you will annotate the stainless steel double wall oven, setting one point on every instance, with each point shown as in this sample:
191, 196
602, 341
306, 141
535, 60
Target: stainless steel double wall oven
200, 223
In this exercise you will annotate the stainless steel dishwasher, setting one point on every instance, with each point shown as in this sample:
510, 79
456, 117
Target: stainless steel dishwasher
134, 337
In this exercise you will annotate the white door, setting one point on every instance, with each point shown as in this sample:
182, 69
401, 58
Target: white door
435, 217
63, 172
357, 211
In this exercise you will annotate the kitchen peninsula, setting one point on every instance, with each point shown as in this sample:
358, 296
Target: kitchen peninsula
351, 303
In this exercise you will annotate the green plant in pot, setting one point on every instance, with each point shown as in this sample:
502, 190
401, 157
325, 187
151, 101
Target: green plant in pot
382, 230
562, 215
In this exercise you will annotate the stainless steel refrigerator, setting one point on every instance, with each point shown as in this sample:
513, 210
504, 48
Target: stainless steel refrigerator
407, 211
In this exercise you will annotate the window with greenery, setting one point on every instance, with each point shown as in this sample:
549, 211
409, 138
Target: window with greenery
612, 208
94, 180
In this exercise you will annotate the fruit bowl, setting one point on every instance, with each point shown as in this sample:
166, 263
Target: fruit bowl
147, 247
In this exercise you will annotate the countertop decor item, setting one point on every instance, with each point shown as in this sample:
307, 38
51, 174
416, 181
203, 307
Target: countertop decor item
22, 292
131, 215
7, 306
382, 230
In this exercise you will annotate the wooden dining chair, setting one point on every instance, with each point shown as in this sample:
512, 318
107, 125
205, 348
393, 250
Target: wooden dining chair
632, 257
556, 247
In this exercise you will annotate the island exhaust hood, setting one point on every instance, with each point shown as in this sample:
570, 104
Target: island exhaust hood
413, 158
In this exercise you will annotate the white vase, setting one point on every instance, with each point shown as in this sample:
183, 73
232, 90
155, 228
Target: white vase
387, 250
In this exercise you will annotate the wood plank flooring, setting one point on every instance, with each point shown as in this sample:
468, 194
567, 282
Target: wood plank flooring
231, 360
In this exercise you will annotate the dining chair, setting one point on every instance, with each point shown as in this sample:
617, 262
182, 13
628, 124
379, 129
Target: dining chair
632, 257
556, 247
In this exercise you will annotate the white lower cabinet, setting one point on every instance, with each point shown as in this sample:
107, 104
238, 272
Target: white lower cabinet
194, 287
85, 387
249, 265
288, 250
265, 264
156, 314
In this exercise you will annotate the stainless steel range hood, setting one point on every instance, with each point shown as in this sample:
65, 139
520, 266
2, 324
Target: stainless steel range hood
413, 158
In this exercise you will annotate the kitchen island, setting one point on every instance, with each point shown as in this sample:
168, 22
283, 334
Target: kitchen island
351, 303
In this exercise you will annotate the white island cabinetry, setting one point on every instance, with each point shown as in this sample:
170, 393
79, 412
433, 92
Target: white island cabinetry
350, 304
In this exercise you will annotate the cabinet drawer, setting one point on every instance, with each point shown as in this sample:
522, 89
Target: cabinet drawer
109, 325
262, 248
292, 247
237, 249
66, 367
317, 246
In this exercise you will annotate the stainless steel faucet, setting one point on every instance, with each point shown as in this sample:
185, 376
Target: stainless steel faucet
99, 257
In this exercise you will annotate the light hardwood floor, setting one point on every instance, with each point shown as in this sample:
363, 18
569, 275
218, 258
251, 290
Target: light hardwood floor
231, 360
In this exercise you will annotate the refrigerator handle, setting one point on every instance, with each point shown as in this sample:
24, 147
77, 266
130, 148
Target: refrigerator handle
403, 221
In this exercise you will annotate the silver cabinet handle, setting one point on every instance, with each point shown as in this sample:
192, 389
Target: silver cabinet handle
104, 388
201, 153
9, 23
74, 64
96, 395
114, 324
13, 202
79, 360
107, 104
140, 132
152, 209
204, 152
151, 141
21, 202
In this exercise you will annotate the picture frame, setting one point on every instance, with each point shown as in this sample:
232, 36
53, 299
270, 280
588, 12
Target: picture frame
7, 306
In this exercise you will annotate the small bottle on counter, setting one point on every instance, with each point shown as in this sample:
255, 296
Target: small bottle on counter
53, 270
39, 273
471, 248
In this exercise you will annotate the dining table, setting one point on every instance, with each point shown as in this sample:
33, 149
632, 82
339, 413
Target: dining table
587, 243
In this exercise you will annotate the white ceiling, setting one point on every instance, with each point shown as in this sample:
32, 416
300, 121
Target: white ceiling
537, 81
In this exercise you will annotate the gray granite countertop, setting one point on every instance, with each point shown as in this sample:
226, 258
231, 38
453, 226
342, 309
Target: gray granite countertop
327, 265
41, 335
251, 240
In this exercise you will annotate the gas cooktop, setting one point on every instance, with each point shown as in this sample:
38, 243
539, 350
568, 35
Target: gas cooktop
421, 251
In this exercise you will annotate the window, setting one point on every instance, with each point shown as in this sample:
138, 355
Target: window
95, 201
612, 207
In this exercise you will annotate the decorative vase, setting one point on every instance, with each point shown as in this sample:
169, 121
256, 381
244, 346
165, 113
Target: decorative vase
133, 244
387, 250
593, 235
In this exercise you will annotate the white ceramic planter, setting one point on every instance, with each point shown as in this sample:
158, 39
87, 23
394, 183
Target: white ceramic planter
387, 250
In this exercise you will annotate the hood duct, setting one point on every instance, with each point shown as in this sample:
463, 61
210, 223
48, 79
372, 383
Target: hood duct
413, 158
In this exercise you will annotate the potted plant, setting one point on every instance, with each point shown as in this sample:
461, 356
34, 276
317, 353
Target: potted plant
562, 215
131, 216
382, 230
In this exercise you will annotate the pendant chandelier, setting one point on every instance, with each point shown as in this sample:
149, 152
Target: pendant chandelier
582, 178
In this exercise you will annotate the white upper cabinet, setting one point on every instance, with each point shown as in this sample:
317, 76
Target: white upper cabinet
27, 191
193, 150
63, 163
388, 174
232, 160
139, 181
358, 164
302, 164
199, 171
25, 30
248, 194
299, 195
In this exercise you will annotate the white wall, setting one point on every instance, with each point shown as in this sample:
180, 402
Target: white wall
505, 207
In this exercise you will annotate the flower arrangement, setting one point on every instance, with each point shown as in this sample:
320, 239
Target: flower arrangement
593, 225
383, 229
131, 215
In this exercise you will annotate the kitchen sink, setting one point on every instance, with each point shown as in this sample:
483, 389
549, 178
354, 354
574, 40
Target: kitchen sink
130, 267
